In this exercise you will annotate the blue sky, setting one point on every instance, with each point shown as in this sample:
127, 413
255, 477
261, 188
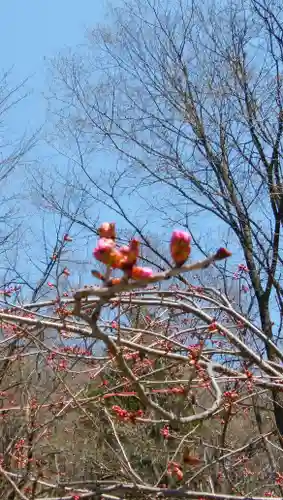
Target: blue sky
32, 31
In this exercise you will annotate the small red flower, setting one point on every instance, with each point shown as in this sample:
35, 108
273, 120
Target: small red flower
231, 395
67, 238
213, 327
279, 478
248, 374
244, 268
165, 432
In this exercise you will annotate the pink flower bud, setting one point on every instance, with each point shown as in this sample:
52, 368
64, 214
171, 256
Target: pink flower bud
179, 235
180, 246
131, 253
103, 250
222, 253
107, 230
125, 249
104, 244
242, 267
106, 253
140, 273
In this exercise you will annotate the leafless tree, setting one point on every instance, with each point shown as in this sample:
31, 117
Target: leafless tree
15, 148
152, 416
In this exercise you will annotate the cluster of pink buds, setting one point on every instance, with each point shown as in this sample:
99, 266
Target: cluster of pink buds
63, 311
7, 292
134, 356
231, 395
9, 330
125, 257
128, 416
194, 349
20, 444
177, 390
242, 268
17, 312
174, 470
78, 351
165, 432
166, 345
194, 353
19, 453
143, 367
55, 364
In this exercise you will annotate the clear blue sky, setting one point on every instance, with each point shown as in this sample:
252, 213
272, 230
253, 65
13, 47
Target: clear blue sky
32, 30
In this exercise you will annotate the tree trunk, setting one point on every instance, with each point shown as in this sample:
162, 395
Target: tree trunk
277, 396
